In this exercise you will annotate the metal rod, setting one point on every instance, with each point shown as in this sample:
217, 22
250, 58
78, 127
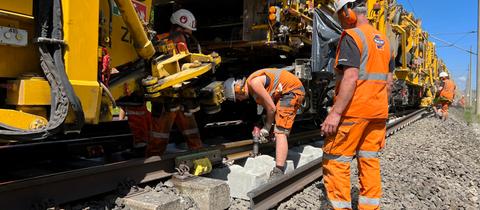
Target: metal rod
469, 82
477, 110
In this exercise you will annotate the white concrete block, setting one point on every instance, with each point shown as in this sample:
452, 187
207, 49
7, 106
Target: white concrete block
262, 163
153, 201
289, 166
242, 181
299, 159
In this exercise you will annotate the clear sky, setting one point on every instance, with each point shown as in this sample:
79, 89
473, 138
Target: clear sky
442, 18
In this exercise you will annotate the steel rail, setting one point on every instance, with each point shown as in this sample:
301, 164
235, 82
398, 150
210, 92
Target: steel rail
402, 122
272, 193
59, 188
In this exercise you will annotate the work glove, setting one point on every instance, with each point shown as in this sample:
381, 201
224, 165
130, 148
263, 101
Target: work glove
264, 134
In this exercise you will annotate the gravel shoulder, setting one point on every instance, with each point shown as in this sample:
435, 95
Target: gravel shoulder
429, 165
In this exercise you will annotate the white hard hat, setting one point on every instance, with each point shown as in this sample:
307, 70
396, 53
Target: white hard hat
338, 4
184, 18
229, 89
443, 74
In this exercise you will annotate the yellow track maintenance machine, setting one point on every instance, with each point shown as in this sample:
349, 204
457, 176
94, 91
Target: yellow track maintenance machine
307, 32
66, 63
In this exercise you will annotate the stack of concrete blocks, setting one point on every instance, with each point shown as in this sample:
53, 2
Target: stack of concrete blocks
256, 171
304, 154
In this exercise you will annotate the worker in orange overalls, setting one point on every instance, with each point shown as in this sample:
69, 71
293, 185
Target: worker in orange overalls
165, 115
356, 124
462, 101
281, 94
445, 98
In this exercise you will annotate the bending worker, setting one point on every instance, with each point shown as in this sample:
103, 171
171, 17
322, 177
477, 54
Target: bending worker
356, 124
164, 115
447, 94
280, 93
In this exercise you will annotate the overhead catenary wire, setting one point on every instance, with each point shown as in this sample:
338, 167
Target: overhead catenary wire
453, 45
455, 33
413, 9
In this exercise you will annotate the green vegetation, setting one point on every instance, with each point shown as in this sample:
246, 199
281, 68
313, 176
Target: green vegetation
469, 115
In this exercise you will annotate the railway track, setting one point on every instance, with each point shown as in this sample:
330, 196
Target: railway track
54, 189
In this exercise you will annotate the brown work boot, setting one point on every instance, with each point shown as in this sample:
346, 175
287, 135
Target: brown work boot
275, 174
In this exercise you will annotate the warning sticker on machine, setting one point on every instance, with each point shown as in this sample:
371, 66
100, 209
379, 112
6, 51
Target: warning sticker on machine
115, 9
140, 8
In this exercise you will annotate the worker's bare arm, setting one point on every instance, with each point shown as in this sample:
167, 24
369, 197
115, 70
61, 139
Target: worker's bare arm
257, 86
345, 94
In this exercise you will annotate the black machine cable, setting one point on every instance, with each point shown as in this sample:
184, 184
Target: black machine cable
62, 94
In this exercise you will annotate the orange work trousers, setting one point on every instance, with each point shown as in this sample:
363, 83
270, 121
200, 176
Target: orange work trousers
139, 120
161, 127
361, 138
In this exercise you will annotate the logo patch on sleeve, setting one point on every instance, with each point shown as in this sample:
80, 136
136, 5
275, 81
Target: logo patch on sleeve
379, 42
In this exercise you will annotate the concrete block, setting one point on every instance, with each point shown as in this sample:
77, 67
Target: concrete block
209, 194
262, 163
304, 154
299, 159
289, 166
316, 152
242, 181
152, 200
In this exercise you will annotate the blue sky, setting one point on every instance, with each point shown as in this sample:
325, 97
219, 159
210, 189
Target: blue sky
445, 16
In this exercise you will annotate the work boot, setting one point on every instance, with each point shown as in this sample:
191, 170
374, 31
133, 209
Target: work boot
275, 174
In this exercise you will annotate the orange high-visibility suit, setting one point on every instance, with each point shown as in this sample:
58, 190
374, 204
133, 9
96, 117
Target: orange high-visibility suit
163, 119
139, 120
362, 126
162, 122
287, 92
447, 94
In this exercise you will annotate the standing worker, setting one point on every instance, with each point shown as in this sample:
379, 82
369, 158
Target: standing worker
356, 124
164, 115
447, 94
281, 94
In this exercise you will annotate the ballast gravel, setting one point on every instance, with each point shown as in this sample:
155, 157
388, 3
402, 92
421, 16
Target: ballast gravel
428, 165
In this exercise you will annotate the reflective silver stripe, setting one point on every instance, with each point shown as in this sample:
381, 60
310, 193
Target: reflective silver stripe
367, 154
374, 76
276, 73
338, 158
190, 131
341, 204
364, 58
160, 135
348, 123
363, 74
135, 112
369, 201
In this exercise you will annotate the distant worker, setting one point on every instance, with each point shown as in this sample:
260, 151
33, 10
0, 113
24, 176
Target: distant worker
183, 25
461, 102
356, 124
139, 120
446, 96
281, 94
166, 114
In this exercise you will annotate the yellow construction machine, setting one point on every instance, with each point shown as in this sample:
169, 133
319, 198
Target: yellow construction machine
66, 63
